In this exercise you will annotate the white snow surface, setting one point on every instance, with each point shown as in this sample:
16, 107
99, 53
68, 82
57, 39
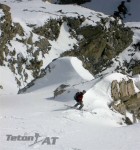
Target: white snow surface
67, 70
38, 111
33, 113
7, 81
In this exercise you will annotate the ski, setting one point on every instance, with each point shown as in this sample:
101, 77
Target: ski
72, 107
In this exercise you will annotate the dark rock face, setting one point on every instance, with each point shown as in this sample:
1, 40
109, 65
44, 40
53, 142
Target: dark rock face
99, 44
49, 30
133, 66
8, 33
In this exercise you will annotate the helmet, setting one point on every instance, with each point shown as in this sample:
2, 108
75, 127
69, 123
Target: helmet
123, 2
84, 91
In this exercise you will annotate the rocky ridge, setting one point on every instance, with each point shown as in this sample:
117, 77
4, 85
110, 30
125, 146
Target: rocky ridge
125, 98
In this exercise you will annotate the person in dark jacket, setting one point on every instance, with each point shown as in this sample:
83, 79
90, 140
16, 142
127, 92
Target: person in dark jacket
79, 99
122, 8
117, 15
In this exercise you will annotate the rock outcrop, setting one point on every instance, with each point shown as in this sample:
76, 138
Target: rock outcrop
125, 98
12, 56
8, 31
122, 90
100, 44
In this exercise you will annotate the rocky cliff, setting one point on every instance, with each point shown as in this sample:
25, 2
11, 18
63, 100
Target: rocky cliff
125, 98
100, 44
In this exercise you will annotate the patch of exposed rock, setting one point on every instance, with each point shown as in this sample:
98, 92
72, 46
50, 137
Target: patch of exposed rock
125, 98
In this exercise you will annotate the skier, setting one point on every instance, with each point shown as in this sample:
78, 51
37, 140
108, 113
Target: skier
79, 99
117, 15
122, 8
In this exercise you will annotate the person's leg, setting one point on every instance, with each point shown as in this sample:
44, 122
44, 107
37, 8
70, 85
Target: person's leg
76, 104
81, 106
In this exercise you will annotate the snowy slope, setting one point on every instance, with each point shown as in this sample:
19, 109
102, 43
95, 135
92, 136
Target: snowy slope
38, 111
33, 113
7, 81
37, 13
67, 70
26, 11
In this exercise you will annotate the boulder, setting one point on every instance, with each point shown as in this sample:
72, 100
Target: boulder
122, 90
125, 98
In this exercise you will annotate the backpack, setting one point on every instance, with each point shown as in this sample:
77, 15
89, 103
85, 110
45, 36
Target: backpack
76, 95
